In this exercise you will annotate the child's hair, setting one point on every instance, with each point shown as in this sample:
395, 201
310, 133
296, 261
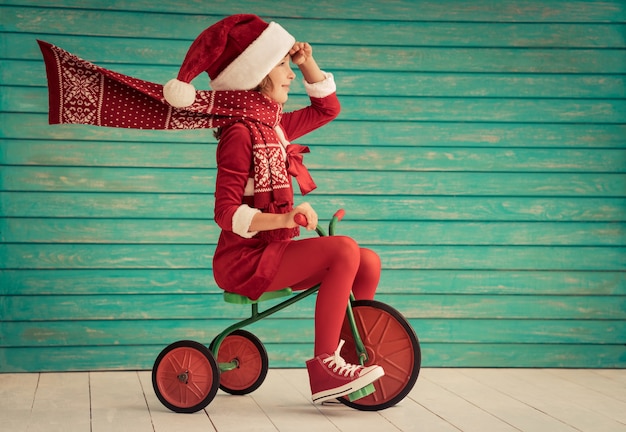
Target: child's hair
265, 84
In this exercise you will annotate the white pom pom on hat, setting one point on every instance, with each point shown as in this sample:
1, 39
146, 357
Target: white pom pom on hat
179, 94
236, 52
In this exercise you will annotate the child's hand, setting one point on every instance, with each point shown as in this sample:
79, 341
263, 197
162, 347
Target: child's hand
300, 53
309, 214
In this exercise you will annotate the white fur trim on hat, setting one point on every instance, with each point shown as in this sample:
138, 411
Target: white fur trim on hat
179, 94
256, 61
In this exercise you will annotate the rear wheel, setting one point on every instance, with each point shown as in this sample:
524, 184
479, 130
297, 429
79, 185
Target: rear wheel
390, 342
185, 376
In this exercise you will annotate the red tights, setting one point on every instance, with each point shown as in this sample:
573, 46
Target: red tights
340, 265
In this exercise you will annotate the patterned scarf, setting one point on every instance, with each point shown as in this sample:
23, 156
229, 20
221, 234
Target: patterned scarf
83, 93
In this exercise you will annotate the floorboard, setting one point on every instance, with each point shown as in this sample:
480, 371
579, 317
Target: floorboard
443, 400
581, 396
17, 395
163, 420
61, 403
433, 393
528, 387
592, 380
118, 403
511, 412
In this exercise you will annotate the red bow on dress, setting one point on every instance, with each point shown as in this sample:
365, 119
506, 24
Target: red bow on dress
296, 168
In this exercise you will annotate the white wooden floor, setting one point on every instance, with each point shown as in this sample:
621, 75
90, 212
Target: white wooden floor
485, 400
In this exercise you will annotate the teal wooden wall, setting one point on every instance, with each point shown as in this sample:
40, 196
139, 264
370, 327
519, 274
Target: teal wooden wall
481, 151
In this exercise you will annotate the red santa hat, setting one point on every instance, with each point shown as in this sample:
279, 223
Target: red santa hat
236, 52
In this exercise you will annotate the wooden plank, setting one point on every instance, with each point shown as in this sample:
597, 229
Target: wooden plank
455, 134
467, 159
17, 396
522, 355
487, 233
62, 403
523, 307
435, 387
363, 133
358, 208
502, 258
359, 32
105, 256
617, 375
502, 282
79, 358
141, 357
406, 416
472, 109
107, 179
106, 153
411, 415
459, 84
232, 413
107, 205
552, 400
501, 406
459, 412
61, 256
333, 416
108, 52
179, 155
202, 181
580, 396
164, 420
594, 382
288, 330
108, 393
280, 400
449, 10
166, 231
420, 281
173, 231
376, 83
198, 306
29, 282
36, 126
481, 112
423, 109
417, 84
548, 331
228, 412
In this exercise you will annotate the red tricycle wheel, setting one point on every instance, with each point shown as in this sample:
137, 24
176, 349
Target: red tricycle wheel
390, 342
185, 376
250, 356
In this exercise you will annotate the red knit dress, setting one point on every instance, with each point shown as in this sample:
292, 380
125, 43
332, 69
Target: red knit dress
248, 265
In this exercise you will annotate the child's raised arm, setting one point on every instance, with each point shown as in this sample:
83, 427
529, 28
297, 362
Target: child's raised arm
302, 56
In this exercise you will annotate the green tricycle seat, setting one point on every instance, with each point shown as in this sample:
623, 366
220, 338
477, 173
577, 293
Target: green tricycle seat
241, 299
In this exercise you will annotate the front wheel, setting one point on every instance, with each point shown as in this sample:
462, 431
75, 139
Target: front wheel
390, 342
185, 376
247, 353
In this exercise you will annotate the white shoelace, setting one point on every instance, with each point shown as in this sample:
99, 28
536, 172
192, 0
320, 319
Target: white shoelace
339, 365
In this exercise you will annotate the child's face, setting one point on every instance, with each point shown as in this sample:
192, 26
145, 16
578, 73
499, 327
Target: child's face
281, 77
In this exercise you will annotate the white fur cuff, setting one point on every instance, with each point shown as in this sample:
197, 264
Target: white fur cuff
242, 220
323, 88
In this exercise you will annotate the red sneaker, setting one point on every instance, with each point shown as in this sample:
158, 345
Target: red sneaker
331, 377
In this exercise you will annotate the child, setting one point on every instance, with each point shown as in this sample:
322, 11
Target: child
248, 62
254, 198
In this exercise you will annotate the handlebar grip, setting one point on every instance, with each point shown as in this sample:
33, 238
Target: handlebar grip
301, 220
339, 214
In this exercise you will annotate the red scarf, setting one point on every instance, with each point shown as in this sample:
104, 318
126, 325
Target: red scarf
81, 92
